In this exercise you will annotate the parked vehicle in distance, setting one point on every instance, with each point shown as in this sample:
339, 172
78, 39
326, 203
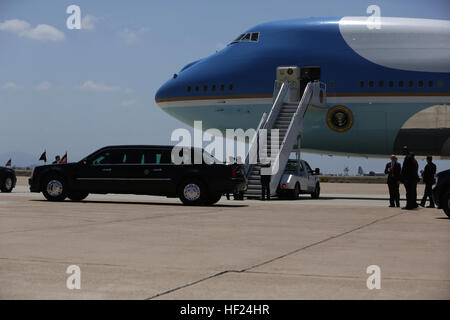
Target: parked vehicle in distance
299, 178
8, 179
441, 192
146, 170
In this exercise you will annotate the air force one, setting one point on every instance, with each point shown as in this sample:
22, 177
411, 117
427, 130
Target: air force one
391, 81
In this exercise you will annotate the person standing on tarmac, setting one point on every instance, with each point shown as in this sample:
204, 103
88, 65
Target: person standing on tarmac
265, 182
393, 170
410, 177
428, 178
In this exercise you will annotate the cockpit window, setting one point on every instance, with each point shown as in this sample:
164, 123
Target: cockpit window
247, 37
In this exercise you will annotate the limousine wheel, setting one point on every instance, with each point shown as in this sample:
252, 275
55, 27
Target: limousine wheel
212, 199
7, 185
192, 192
77, 195
54, 188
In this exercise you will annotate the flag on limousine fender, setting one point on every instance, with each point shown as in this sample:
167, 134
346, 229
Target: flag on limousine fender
43, 156
64, 158
8, 164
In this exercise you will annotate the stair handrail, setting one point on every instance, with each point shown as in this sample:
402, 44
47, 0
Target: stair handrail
266, 122
253, 148
302, 106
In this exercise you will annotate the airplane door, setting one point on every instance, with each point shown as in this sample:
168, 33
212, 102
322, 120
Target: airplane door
308, 74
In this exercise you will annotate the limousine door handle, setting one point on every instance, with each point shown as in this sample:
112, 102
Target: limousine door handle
107, 170
157, 170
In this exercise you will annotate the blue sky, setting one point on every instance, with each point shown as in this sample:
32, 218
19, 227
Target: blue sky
78, 90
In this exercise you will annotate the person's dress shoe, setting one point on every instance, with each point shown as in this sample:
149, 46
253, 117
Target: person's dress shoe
431, 207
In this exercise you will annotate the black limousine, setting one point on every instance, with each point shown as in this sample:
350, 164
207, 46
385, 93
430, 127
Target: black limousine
145, 170
441, 192
7, 179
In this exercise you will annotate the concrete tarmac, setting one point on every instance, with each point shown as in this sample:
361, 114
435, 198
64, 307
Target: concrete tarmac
142, 247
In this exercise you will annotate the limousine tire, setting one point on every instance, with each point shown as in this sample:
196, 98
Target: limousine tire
213, 198
54, 188
7, 184
77, 195
192, 192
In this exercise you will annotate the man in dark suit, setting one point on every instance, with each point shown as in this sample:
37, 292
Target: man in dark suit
265, 181
393, 170
428, 178
410, 177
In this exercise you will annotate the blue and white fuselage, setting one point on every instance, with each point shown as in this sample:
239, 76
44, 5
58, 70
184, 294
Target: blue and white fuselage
395, 80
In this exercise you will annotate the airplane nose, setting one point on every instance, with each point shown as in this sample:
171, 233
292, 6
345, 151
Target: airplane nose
165, 91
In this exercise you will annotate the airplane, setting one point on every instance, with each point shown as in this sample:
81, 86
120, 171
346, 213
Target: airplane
386, 87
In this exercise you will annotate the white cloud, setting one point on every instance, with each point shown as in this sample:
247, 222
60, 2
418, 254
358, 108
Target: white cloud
128, 103
42, 32
131, 36
44, 85
88, 22
10, 85
101, 87
95, 86
128, 36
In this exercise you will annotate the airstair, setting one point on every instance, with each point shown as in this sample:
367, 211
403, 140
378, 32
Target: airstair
285, 119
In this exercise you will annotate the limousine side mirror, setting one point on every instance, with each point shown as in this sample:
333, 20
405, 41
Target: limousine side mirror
317, 171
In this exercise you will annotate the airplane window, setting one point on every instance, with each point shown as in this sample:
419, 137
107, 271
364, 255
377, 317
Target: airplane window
197, 88
213, 87
411, 83
238, 38
255, 36
391, 84
371, 84
361, 84
230, 87
400, 84
246, 37
205, 88
381, 84
440, 83
188, 89
222, 87
331, 84
420, 83
430, 83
